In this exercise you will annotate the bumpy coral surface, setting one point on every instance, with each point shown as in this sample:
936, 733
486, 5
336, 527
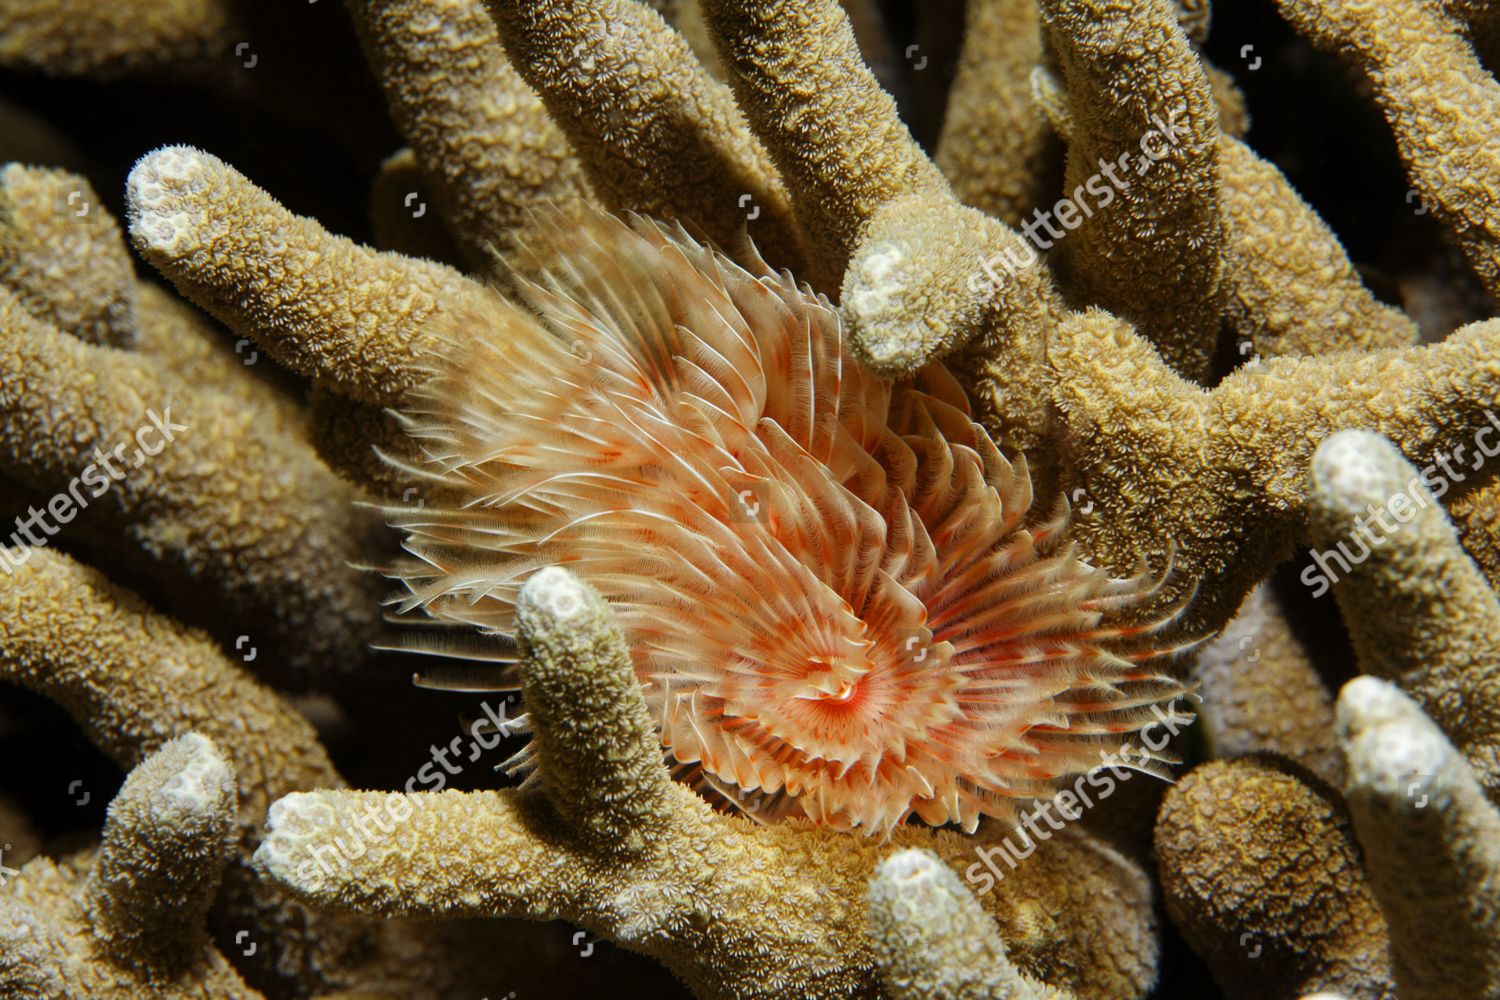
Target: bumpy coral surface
980, 498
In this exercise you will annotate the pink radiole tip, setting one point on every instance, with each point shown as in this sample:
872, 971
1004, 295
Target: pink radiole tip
835, 604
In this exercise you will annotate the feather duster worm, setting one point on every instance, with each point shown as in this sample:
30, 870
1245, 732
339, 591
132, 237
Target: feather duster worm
837, 605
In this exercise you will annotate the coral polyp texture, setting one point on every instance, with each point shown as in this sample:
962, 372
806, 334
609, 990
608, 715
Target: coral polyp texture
799, 498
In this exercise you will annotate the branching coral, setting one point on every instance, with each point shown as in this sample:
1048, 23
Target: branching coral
203, 500
113, 39
1291, 288
344, 315
609, 842
1418, 807
64, 257
934, 941
1260, 691
133, 680
1152, 118
1263, 875
879, 220
774, 121
301, 63
1419, 611
478, 133
1220, 473
996, 149
1428, 81
1432, 841
128, 921
620, 105
138, 679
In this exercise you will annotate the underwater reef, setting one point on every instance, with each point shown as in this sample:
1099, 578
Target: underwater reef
749, 499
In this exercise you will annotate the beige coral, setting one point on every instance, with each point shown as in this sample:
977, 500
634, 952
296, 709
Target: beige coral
657, 133
1432, 841
186, 481
609, 842
933, 939
110, 39
1419, 611
1433, 90
1219, 476
1291, 289
1261, 872
128, 921
1150, 126
879, 220
1259, 691
996, 149
344, 315
64, 257
478, 134
134, 679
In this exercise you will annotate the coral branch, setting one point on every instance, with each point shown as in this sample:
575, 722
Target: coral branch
596, 744
1290, 287
934, 941
1261, 691
129, 921
1432, 843
1431, 101
445, 854
81, 37
876, 212
1261, 873
165, 843
1156, 258
132, 678
206, 511
918, 269
656, 132
349, 317
1220, 477
480, 134
65, 260
926, 281
996, 148
842, 150
1419, 611
64, 256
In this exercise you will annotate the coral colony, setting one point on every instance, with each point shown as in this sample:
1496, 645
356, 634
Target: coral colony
949, 518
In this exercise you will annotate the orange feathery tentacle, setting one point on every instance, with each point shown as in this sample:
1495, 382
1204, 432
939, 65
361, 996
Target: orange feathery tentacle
834, 603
